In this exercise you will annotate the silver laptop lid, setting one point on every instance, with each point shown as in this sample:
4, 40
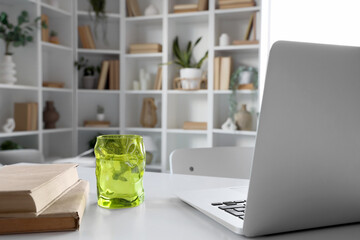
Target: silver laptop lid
306, 168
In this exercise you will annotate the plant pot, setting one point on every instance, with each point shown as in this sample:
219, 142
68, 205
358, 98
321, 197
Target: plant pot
100, 116
7, 70
190, 78
89, 82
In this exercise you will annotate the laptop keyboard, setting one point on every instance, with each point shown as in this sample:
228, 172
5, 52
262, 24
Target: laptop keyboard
235, 208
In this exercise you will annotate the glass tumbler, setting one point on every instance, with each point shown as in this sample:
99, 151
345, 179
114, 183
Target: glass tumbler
120, 164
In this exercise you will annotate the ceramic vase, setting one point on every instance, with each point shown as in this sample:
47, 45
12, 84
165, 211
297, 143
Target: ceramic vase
9, 126
50, 115
224, 40
7, 70
243, 119
148, 113
88, 82
151, 10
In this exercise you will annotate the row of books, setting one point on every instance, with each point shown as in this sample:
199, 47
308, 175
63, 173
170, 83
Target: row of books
222, 72
109, 75
202, 5
227, 4
86, 37
145, 48
26, 116
41, 198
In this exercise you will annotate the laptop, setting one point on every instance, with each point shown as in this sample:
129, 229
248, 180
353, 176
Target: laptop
306, 167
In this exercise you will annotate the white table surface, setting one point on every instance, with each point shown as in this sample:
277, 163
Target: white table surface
163, 216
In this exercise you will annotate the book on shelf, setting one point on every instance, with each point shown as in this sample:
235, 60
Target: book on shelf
202, 5
217, 61
65, 214
235, 1
117, 74
26, 116
158, 79
195, 125
27, 190
236, 5
88, 123
53, 84
45, 31
244, 42
246, 86
112, 75
183, 8
145, 48
86, 37
133, 9
225, 72
103, 75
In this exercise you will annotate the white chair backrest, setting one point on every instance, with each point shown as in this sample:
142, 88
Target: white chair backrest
232, 162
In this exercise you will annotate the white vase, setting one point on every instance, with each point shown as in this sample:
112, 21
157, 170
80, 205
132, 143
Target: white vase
151, 10
190, 78
100, 116
224, 40
7, 70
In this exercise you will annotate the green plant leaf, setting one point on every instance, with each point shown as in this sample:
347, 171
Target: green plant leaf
197, 41
3, 18
202, 60
29, 38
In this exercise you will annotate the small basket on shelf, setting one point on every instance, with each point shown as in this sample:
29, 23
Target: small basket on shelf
189, 83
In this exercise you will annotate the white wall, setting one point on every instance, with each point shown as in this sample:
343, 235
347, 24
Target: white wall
319, 21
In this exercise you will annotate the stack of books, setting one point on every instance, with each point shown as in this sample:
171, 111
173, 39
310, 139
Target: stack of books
109, 75
222, 72
195, 125
98, 124
41, 198
86, 38
145, 48
226, 4
26, 116
202, 5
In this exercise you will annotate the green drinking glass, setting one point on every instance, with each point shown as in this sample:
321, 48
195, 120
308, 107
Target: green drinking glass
120, 164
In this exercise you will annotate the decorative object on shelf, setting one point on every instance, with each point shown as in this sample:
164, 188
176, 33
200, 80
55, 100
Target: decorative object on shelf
151, 10
243, 119
133, 9
234, 82
195, 125
88, 78
145, 48
144, 79
251, 28
190, 72
189, 83
100, 116
150, 148
228, 125
26, 116
53, 84
136, 85
9, 145
50, 115
97, 124
224, 39
98, 7
184, 8
148, 117
45, 31
9, 126
247, 79
15, 35
54, 37
225, 4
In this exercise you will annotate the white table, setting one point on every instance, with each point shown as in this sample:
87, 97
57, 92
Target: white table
163, 216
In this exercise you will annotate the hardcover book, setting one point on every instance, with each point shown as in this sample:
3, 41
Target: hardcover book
30, 189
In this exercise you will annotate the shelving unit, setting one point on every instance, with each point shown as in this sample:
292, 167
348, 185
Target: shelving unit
123, 107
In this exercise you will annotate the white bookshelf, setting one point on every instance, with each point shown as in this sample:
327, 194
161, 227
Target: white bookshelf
51, 62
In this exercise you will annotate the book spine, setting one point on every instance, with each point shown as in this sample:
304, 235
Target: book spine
45, 31
217, 61
103, 75
225, 72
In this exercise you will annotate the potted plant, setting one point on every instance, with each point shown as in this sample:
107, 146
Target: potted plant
190, 70
88, 78
100, 113
98, 7
54, 37
15, 35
